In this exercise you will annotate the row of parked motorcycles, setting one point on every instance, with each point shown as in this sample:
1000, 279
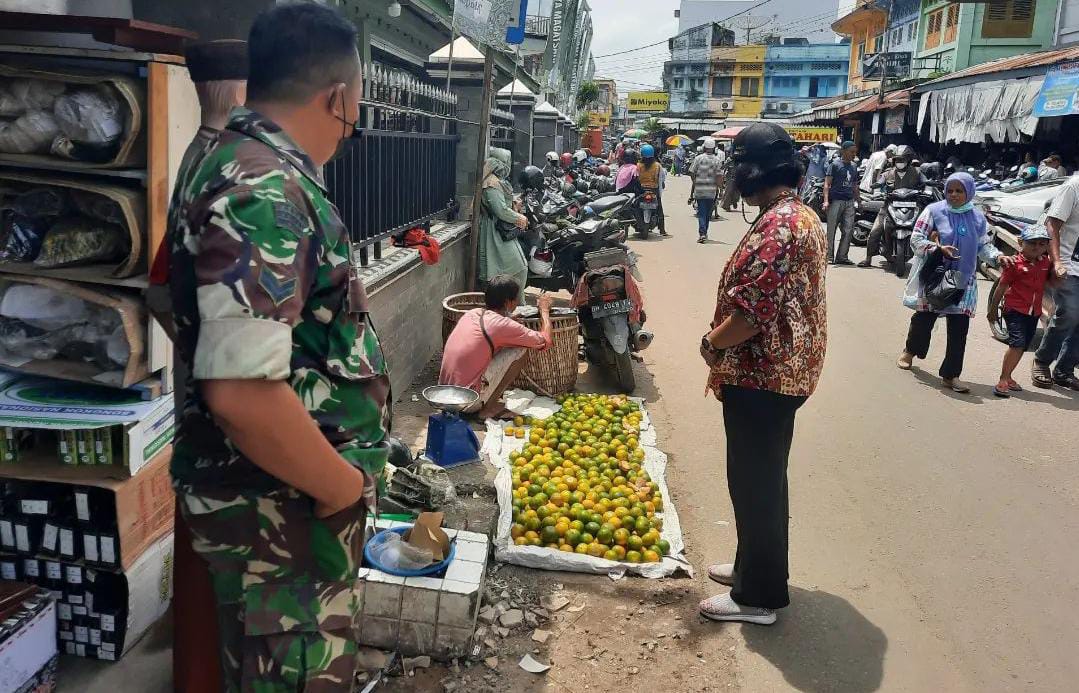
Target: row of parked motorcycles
576, 242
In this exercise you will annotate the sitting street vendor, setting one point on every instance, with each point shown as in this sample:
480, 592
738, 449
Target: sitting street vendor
488, 349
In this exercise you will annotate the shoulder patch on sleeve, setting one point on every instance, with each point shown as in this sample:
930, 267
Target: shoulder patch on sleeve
289, 216
279, 290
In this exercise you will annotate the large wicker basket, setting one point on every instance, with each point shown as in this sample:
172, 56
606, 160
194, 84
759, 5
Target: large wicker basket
550, 372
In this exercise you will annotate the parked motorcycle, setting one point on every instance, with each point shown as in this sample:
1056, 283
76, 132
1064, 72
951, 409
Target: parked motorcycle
647, 212
611, 312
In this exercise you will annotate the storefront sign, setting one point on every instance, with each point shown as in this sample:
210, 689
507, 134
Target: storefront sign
811, 134
1059, 95
599, 119
486, 21
890, 65
893, 121
649, 101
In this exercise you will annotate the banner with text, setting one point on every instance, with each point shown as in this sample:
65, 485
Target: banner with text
811, 134
599, 119
1059, 95
648, 101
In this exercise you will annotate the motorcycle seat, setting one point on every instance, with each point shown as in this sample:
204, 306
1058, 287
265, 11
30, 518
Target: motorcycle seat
606, 202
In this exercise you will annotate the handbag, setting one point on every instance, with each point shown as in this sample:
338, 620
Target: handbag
507, 230
944, 286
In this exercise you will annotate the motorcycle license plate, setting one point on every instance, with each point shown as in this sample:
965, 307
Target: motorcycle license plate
649, 205
612, 308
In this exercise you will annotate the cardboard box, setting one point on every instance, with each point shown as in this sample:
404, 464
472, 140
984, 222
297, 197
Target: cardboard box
131, 431
29, 645
122, 517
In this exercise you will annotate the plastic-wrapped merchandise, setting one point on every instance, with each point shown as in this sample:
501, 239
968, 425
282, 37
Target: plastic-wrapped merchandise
81, 241
10, 107
38, 322
36, 93
21, 236
98, 207
42, 202
90, 115
393, 552
32, 132
42, 306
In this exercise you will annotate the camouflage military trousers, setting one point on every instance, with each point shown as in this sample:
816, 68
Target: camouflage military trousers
285, 588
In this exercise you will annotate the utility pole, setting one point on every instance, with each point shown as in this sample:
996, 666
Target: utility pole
477, 198
884, 60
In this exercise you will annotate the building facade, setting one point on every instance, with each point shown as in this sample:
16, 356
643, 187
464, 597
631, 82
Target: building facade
1067, 33
608, 96
864, 25
686, 75
564, 29
953, 36
902, 33
798, 73
737, 81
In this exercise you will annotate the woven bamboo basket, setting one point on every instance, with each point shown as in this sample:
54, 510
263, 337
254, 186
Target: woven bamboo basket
549, 372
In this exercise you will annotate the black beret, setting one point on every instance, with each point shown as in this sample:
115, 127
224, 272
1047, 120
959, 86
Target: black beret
217, 60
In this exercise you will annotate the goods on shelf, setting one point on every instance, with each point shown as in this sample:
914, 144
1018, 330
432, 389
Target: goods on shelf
28, 638
68, 330
61, 222
81, 119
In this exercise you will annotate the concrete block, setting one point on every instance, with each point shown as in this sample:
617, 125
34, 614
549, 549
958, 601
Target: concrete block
458, 610
415, 638
462, 535
465, 571
379, 632
420, 604
452, 642
382, 599
471, 551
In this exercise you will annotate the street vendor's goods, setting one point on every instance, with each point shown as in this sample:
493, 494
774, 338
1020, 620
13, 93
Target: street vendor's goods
579, 485
79, 240
33, 131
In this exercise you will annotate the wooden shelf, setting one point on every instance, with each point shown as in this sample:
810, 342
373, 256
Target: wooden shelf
135, 174
89, 274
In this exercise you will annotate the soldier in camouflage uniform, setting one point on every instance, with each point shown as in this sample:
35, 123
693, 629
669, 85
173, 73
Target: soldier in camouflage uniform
281, 439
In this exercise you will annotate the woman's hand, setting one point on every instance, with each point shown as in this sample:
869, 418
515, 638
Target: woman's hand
522, 222
950, 252
710, 354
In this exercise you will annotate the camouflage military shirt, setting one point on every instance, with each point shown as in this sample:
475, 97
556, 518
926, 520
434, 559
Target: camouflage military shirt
262, 286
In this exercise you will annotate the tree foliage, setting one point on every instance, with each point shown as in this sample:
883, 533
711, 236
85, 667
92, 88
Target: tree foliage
587, 94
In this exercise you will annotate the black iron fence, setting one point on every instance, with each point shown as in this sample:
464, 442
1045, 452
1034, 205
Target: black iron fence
400, 170
503, 132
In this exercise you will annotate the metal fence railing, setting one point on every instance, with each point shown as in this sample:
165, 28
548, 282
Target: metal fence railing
400, 172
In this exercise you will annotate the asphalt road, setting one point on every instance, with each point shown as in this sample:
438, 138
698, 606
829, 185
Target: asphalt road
932, 534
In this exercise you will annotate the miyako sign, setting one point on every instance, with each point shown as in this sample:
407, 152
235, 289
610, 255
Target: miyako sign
648, 101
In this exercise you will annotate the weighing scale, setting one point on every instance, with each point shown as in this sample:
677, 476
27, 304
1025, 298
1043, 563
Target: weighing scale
450, 440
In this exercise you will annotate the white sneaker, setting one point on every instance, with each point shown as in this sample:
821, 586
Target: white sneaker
723, 608
723, 573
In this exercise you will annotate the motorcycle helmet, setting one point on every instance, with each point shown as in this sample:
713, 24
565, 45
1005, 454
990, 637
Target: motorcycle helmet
580, 156
709, 144
582, 186
531, 178
567, 160
648, 152
568, 189
552, 158
903, 156
629, 157
604, 170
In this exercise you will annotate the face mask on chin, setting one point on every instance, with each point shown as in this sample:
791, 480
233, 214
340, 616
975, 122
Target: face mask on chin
349, 134
901, 165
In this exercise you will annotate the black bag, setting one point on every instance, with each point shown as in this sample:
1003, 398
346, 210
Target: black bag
944, 286
507, 230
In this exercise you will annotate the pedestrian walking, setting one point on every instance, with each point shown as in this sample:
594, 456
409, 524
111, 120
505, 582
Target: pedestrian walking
841, 199
956, 230
765, 352
281, 440
707, 174
1021, 287
1060, 344
500, 225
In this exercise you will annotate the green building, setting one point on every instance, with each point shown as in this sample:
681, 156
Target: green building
953, 36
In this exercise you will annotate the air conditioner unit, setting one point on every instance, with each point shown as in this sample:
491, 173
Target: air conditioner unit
769, 107
785, 107
726, 105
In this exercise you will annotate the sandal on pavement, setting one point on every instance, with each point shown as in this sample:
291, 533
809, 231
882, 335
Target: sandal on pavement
955, 386
1040, 375
723, 608
1014, 386
905, 361
1003, 394
723, 573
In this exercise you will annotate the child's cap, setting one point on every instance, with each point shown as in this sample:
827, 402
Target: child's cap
1035, 232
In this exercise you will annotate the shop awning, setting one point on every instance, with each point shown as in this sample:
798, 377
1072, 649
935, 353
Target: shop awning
1024, 65
727, 133
825, 112
870, 104
999, 109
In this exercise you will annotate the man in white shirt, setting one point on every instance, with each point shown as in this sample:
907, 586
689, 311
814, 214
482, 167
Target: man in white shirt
1051, 167
1061, 341
876, 164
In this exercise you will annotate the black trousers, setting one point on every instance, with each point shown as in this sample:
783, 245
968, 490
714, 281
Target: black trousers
759, 426
921, 331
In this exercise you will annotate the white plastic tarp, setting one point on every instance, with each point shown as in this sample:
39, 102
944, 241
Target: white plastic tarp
999, 109
497, 448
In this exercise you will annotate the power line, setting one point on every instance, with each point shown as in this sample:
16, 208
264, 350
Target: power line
657, 43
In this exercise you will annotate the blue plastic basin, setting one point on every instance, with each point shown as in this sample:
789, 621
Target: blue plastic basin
429, 570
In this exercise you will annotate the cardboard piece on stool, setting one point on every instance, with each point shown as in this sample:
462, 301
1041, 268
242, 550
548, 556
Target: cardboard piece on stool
426, 533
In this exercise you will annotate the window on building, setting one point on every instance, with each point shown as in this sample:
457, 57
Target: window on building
911, 28
814, 87
679, 83
933, 25
676, 69
699, 68
1009, 19
723, 86
698, 83
951, 23
749, 86
878, 43
858, 59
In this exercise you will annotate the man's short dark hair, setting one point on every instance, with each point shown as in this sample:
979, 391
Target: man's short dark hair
500, 291
297, 49
750, 177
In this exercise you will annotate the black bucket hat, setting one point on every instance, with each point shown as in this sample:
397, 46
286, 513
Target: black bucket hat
764, 144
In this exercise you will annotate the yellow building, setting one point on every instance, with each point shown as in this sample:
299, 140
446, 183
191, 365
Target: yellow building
865, 26
737, 76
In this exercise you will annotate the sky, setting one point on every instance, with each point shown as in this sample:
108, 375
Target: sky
621, 25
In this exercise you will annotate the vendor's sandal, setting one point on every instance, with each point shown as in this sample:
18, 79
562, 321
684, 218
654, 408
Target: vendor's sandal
1002, 393
723, 608
905, 361
1014, 386
723, 573
955, 386
1040, 375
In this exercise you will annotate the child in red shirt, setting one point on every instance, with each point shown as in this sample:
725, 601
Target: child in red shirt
1022, 286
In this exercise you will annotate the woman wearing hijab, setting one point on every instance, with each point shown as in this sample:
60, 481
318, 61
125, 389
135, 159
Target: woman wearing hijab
497, 255
627, 173
766, 351
958, 230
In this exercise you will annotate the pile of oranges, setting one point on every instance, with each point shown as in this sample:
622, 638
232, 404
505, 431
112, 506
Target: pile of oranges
578, 484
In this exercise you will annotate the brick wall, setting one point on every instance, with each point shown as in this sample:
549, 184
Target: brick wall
407, 311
